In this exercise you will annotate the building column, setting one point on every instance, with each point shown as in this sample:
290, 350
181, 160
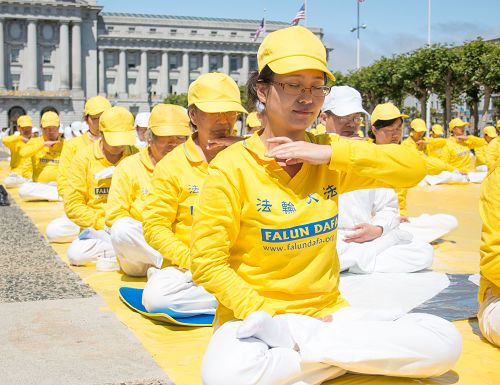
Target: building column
244, 70
206, 66
184, 74
2, 58
164, 75
31, 65
76, 55
102, 73
225, 63
122, 74
64, 55
143, 75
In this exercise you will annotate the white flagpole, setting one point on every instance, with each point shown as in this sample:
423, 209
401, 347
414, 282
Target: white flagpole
428, 106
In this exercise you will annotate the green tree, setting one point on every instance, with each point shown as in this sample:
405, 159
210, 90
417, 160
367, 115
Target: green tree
178, 99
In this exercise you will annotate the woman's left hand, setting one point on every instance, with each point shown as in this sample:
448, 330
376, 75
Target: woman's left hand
299, 152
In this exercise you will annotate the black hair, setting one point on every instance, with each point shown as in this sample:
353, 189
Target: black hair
381, 124
265, 76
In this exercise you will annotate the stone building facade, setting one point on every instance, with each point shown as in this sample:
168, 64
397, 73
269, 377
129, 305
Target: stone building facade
57, 53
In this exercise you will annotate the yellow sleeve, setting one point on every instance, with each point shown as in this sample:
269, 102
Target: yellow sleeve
120, 195
480, 153
408, 143
435, 165
402, 193
65, 160
32, 147
11, 141
215, 229
435, 143
490, 236
160, 213
492, 153
76, 202
367, 165
474, 142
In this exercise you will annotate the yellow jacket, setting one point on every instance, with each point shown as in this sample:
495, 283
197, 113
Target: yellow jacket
492, 153
435, 146
458, 154
319, 129
69, 151
44, 160
264, 241
401, 194
130, 185
168, 215
481, 155
409, 142
87, 196
21, 166
489, 209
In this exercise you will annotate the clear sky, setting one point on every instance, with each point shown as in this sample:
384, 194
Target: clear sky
393, 26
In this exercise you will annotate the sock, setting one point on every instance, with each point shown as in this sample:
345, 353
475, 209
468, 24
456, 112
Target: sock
273, 331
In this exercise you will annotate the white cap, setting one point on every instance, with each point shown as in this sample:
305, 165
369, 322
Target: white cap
35, 129
68, 133
142, 119
342, 101
75, 128
84, 127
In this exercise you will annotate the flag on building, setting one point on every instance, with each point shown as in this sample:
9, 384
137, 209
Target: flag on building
301, 15
261, 30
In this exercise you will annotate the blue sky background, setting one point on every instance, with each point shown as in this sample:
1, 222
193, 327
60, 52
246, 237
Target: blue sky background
393, 26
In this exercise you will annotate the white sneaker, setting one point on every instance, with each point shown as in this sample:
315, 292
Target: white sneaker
107, 264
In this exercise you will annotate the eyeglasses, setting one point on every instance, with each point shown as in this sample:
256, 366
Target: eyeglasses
297, 89
228, 115
345, 119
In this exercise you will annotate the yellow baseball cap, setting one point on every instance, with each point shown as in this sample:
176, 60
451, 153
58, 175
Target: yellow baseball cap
169, 120
386, 111
96, 105
253, 120
215, 92
418, 125
498, 123
437, 129
490, 131
457, 122
293, 49
117, 126
50, 119
24, 121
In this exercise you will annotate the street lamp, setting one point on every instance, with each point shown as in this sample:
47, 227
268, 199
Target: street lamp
356, 29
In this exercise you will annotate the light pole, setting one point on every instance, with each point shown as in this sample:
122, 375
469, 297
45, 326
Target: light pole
357, 37
428, 106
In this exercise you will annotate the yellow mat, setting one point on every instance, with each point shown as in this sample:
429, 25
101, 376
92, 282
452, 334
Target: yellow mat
179, 350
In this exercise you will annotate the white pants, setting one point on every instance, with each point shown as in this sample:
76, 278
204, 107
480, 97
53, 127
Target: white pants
62, 230
83, 251
13, 180
171, 288
413, 345
427, 228
489, 318
132, 250
35, 191
386, 254
455, 176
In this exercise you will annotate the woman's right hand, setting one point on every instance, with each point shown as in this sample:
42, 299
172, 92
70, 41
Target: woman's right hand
298, 152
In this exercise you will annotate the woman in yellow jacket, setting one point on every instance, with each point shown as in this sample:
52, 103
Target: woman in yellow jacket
264, 238
489, 288
20, 168
89, 182
214, 102
62, 230
131, 184
44, 153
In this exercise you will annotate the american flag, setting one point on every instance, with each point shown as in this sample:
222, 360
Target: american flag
260, 30
301, 15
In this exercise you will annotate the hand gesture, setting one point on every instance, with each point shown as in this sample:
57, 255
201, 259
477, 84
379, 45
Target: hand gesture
298, 152
364, 233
